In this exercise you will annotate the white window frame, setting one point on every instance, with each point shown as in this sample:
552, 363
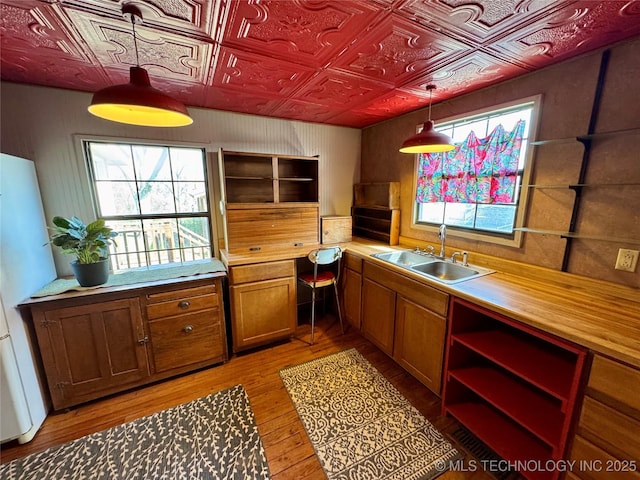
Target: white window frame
515, 239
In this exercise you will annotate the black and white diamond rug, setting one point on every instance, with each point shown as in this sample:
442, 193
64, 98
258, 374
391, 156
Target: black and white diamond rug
214, 437
360, 426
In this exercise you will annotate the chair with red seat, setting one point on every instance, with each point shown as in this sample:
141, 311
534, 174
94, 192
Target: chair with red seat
323, 259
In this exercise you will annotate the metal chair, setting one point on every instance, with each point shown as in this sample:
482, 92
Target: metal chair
323, 260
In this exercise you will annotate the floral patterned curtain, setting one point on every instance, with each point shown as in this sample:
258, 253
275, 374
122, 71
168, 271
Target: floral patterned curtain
476, 171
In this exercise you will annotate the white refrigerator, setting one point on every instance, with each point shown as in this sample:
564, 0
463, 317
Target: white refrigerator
26, 265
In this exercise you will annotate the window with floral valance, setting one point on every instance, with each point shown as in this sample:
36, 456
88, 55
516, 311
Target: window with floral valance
476, 186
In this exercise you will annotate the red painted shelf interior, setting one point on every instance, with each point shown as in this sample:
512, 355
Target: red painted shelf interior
543, 368
506, 438
529, 407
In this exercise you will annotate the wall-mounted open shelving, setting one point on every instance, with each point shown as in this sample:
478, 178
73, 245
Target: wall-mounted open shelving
600, 238
589, 137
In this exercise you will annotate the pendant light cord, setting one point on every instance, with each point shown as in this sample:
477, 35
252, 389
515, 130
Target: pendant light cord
135, 42
430, 88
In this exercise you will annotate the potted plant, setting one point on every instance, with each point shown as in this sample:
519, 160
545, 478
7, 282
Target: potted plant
90, 245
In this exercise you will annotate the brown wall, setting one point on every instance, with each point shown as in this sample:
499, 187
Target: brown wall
567, 91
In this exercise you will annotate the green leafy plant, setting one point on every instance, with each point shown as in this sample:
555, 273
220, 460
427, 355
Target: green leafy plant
89, 243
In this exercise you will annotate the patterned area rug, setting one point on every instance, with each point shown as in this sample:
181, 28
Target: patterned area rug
214, 437
360, 426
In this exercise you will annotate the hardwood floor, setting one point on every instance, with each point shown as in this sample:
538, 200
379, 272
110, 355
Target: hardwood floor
289, 452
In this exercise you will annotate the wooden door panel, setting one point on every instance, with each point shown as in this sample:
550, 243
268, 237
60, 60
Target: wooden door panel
95, 348
263, 311
352, 297
378, 314
419, 342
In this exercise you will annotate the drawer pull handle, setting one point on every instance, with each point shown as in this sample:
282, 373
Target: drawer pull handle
184, 305
188, 329
144, 340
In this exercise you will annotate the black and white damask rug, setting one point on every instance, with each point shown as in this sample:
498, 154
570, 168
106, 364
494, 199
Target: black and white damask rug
214, 437
360, 426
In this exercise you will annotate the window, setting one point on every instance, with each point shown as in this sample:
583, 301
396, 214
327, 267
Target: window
155, 197
488, 217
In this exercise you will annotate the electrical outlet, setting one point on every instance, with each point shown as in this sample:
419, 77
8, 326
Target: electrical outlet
627, 260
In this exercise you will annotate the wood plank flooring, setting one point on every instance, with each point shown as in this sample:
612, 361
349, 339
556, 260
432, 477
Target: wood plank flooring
288, 450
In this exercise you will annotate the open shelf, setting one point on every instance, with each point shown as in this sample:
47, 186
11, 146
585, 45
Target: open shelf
582, 185
512, 385
533, 410
580, 235
507, 439
379, 223
593, 136
542, 368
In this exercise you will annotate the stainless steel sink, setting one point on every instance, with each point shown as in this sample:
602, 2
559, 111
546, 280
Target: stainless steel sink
402, 258
431, 267
446, 272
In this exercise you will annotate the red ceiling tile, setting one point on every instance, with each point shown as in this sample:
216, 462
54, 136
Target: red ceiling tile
580, 28
393, 104
474, 71
249, 72
397, 50
310, 33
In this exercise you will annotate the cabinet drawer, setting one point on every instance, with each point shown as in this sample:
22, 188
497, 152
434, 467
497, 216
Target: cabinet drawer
614, 431
353, 262
262, 271
180, 294
616, 381
593, 463
181, 305
186, 339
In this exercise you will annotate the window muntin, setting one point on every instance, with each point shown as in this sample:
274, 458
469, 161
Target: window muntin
156, 198
489, 220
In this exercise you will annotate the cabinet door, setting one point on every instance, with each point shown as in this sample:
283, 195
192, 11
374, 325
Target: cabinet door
92, 350
263, 311
419, 342
352, 296
378, 312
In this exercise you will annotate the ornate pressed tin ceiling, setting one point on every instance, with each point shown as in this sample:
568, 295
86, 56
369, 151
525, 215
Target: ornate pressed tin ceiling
341, 62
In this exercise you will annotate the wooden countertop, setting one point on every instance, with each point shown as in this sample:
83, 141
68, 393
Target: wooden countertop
599, 315
134, 279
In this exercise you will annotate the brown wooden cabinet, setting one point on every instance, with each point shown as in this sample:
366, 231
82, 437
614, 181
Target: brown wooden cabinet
607, 443
378, 314
92, 349
419, 342
185, 327
268, 200
352, 289
263, 302
95, 343
406, 319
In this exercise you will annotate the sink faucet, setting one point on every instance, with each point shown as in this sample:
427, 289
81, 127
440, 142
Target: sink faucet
442, 235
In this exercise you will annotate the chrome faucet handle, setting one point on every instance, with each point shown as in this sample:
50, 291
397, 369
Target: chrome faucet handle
465, 259
429, 250
453, 257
